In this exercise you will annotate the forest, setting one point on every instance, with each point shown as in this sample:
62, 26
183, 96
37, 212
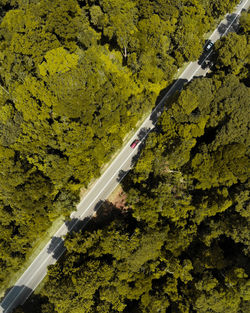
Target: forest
181, 245
75, 78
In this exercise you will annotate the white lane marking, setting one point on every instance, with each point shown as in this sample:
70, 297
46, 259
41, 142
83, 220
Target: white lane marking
64, 225
228, 27
191, 63
163, 99
97, 208
240, 8
50, 255
236, 15
199, 67
153, 112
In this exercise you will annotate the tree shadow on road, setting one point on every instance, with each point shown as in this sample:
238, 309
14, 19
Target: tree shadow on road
205, 59
76, 224
105, 214
223, 27
143, 132
56, 247
8, 303
121, 175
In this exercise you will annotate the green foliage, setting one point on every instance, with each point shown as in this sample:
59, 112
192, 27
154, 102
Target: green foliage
185, 248
232, 54
79, 75
245, 22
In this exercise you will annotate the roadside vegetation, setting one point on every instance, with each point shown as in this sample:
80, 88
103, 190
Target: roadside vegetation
183, 244
75, 77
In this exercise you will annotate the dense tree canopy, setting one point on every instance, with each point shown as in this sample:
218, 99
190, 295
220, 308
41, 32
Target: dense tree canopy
184, 244
75, 77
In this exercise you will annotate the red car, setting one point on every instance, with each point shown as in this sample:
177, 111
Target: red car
134, 143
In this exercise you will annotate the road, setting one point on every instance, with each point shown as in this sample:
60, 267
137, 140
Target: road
104, 186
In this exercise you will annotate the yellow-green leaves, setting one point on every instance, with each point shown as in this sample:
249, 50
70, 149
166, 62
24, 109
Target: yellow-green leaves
19, 21
58, 61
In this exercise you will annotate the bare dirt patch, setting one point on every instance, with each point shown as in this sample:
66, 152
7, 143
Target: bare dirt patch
118, 198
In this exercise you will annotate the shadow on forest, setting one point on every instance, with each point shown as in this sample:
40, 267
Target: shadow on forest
105, 213
35, 305
166, 96
56, 247
205, 60
233, 21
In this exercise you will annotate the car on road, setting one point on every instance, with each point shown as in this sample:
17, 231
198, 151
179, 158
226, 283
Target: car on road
209, 45
134, 143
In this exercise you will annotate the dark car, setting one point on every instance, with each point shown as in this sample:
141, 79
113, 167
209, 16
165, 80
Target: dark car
134, 143
209, 45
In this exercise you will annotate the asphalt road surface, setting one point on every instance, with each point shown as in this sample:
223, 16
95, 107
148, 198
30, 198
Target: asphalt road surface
103, 187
